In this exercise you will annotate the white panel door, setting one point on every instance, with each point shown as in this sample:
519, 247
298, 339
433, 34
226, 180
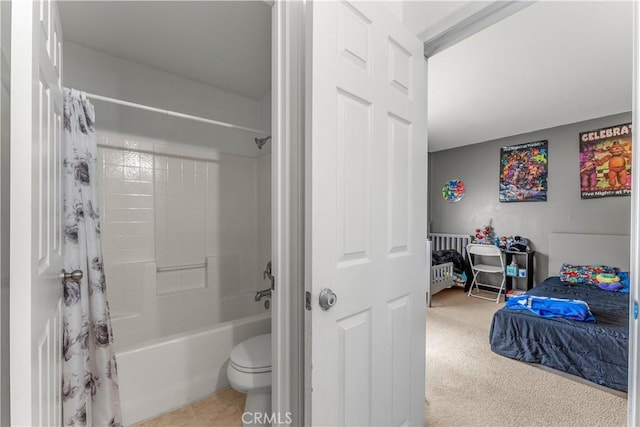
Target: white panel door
36, 225
367, 189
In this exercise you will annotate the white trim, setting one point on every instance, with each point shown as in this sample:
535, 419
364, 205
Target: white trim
307, 87
288, 210
5, 166
20, 181
465, 21
633, 402
174, 113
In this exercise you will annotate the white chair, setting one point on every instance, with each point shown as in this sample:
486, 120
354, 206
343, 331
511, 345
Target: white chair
485, 259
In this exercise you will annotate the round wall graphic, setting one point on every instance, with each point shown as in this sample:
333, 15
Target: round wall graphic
453, 190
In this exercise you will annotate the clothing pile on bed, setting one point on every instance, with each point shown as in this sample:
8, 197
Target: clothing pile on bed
552, 307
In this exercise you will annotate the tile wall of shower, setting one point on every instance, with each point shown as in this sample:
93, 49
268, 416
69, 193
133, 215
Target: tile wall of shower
185, 218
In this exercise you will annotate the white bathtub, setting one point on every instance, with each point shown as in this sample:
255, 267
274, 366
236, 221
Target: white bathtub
166, 374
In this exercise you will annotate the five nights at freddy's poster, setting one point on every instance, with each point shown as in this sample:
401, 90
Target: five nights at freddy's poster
523, 172
605, 162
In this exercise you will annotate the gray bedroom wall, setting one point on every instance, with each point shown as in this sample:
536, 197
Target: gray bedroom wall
478, 167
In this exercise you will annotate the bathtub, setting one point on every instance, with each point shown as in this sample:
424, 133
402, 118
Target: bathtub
165, 374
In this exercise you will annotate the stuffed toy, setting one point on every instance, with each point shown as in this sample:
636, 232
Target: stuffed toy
484, 235
518, 244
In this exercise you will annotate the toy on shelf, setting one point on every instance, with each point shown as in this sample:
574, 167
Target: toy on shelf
514, 243
519, 244
502, 242
484, 236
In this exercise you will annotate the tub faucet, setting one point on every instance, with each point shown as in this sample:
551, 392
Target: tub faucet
262, 294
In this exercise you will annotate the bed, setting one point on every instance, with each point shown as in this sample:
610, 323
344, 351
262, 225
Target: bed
443, 270
597, 351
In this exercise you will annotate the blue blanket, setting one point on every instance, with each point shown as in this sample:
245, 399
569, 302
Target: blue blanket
552, 307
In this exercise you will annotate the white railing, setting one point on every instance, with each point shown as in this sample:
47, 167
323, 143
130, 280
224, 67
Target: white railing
441, 276
442, 241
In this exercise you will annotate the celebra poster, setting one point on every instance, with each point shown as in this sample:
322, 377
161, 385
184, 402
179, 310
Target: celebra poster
605, 162
523, 172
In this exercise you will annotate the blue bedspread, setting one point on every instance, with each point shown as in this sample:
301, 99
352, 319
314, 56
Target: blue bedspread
594, 351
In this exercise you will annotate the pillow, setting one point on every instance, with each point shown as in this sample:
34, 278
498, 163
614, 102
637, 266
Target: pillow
583, 273
624, 281
608, 282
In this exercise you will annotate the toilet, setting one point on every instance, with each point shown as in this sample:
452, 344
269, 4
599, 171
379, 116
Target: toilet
249, 371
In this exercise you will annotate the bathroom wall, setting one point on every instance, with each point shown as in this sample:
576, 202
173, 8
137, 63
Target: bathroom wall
185, 234
102, 74
185, 207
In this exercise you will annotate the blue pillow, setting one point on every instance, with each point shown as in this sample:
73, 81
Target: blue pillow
624, 281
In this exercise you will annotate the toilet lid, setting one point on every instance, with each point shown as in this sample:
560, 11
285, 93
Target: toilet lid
254, 353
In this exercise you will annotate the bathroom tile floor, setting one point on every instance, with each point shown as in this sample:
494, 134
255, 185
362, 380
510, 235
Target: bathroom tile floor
222, 409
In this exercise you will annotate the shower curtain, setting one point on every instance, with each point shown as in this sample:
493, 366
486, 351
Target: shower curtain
89, 382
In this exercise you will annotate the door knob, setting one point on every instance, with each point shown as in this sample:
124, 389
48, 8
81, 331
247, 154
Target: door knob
327, 299
75, 275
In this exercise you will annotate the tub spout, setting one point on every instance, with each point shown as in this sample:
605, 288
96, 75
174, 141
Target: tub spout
262, 294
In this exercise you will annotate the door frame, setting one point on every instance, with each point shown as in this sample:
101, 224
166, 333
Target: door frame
633, 398
288, 72
5, 141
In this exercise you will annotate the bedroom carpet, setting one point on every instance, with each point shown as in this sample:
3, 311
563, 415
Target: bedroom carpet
469, 385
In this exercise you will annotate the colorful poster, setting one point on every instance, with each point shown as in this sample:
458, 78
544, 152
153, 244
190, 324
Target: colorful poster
453, 190
605, 162
523, 172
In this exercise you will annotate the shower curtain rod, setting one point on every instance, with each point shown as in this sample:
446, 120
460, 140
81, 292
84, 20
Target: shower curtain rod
173, 113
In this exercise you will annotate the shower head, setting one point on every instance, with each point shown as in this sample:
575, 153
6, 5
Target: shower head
261, 141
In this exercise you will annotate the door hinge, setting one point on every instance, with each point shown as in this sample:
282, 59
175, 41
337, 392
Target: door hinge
307, 300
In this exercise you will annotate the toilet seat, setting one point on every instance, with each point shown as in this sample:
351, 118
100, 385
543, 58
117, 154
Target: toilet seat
252, 356
250, 370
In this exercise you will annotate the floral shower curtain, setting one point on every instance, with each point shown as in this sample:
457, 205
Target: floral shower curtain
90, 383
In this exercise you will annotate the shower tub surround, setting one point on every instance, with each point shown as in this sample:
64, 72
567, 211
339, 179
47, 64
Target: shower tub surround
186, 235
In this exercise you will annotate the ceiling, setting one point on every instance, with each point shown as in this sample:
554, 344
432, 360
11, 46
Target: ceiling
187, 38
549, 64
